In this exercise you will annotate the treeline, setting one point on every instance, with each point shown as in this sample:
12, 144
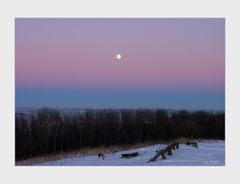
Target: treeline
49, 131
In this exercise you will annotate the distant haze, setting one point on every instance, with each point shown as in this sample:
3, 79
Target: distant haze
167, 63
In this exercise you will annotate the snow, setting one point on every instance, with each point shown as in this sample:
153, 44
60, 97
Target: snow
208, 153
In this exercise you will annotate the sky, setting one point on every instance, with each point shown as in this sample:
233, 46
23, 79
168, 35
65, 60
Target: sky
166, 63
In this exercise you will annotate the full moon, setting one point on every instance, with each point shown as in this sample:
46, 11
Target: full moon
118, 56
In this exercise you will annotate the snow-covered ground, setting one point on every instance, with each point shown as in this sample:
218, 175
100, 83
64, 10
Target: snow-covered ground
208, 153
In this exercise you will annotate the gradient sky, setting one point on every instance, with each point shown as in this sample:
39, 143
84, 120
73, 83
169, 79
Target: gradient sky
166, 63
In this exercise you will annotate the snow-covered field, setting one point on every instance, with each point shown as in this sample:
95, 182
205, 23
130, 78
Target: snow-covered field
208, 153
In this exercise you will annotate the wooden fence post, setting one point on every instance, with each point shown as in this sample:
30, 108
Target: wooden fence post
163, 156
169, 152
177, 145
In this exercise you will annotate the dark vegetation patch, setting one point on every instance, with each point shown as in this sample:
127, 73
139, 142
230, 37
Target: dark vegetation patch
49, 131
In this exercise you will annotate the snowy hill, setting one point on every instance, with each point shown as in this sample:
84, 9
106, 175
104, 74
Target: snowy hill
209, 153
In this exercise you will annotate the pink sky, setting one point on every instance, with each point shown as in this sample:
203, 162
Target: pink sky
156, 53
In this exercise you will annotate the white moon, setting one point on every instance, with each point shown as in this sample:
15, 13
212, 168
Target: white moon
118, 56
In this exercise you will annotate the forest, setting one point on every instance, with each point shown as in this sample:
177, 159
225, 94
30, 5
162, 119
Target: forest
48, 131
